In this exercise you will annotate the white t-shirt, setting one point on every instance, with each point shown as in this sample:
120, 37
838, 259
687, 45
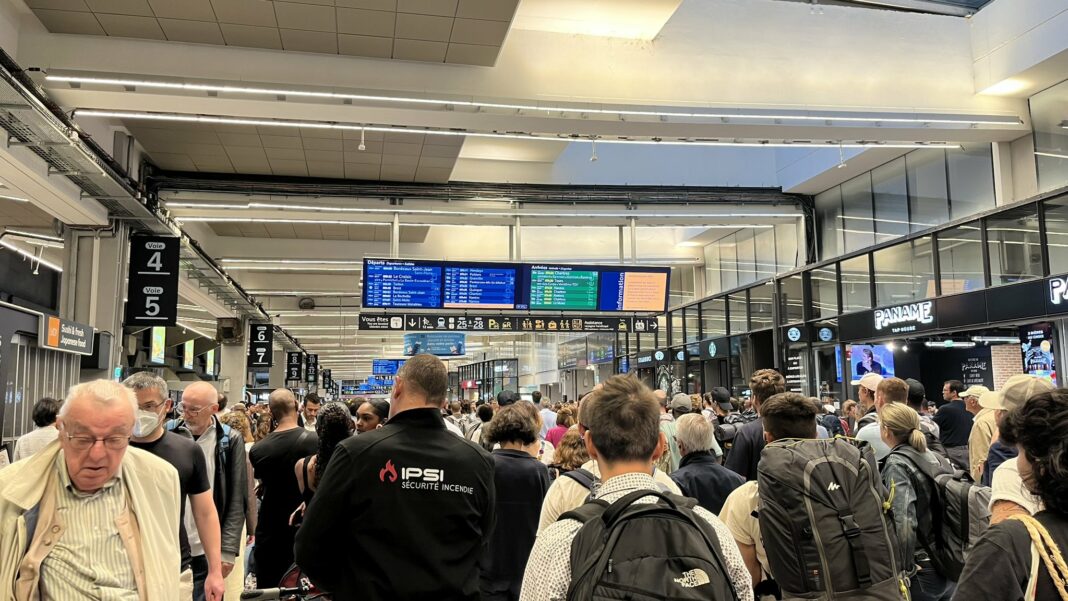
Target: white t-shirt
206, 442
1007, 485
566, 494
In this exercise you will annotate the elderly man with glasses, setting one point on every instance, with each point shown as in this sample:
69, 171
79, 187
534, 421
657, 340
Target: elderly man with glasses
154, 402
224, 452
87, 517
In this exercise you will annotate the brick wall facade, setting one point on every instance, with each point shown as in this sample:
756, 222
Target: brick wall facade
1006, 361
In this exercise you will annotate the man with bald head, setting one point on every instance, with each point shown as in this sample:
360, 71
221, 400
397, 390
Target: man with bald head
88, 517
224, 453
273, 459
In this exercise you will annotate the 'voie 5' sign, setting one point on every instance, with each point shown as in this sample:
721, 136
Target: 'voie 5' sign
912, 317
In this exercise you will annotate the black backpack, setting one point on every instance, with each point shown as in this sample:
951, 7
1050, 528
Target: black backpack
951, 519
660, 550
825, 521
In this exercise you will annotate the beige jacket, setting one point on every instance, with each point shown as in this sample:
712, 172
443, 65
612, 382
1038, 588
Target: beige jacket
152, 487
983, 427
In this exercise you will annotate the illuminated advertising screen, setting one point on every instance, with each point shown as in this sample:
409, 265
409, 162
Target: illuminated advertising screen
1036, 342
157, 346
209, 363
187, 354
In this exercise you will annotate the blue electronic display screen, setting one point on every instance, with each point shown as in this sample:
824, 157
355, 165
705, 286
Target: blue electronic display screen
413, 284
390, 284
386, 367
480, 287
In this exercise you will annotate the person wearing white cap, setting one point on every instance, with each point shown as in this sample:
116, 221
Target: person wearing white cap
982, 429
866, 388
1008, 494
888, 390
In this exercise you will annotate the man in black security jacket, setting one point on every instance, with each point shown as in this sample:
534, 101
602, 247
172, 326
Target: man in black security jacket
404, 511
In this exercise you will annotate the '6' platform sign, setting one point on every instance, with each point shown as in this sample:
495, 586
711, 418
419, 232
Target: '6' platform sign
152, 292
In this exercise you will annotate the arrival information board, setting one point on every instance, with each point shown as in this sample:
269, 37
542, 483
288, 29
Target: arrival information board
563, 288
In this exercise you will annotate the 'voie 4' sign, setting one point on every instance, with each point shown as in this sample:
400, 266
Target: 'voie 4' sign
913, 317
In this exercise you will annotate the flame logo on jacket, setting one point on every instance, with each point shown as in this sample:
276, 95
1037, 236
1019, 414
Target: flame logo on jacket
389, 470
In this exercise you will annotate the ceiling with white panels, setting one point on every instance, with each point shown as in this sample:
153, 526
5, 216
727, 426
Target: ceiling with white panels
285, 151
22, 214
317, 231
465, 32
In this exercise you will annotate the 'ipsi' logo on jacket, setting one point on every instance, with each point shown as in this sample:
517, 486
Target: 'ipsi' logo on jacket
420, 478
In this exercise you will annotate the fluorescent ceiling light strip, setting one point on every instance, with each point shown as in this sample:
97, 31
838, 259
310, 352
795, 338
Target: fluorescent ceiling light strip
30, 256
284, 268
1051, 154
302, 293
14, 198
405, 224
294, 261
222, 120
33, 234
337, 209
683, 113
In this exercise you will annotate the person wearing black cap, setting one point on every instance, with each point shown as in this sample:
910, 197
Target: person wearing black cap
728, 420
930, 429
506, 397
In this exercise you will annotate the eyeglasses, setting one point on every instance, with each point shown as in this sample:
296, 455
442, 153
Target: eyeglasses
150, 406
111, 443
194, 411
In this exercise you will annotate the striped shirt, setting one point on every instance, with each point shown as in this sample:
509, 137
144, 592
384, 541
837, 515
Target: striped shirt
89, 560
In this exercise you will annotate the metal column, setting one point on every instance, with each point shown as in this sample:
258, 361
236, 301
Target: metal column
518, 239
622, 254
633, 240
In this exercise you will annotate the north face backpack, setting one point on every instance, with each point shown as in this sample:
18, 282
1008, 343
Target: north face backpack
660, 550
824, 517
958, 514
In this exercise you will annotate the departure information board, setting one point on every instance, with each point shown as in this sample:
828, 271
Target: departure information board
386, 367
401, 284
562, 287
417, 284
470, 287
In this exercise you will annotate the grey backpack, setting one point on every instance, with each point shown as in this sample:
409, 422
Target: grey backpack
825, 521
958, 514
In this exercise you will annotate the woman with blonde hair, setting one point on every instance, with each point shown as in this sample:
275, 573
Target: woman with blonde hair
908, 471
238, 421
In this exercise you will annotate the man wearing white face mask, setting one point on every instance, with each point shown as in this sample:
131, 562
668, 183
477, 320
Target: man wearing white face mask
149, 434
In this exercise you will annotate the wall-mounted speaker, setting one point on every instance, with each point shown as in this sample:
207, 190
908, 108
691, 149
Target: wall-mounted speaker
228, 330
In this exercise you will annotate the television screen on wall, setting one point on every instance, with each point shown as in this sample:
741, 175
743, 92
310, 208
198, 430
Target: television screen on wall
865, 358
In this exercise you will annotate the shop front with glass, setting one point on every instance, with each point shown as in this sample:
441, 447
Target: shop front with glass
973, 299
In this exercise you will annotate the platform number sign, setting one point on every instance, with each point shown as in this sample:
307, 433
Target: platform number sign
260, 345
311, 374
152, 292
294, 367
328, 381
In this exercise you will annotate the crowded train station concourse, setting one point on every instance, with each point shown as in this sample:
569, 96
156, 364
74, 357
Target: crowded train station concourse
533, 300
